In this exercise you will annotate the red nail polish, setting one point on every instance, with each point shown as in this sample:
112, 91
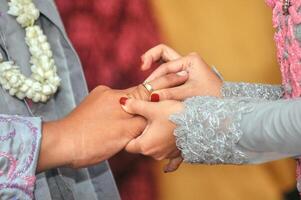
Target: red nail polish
123, 100
155, 98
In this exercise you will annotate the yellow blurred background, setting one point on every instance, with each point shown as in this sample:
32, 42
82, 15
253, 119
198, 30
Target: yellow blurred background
237, 37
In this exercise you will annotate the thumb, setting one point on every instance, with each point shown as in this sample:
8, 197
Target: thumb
133, 146
138, 107
136, 126
156, 53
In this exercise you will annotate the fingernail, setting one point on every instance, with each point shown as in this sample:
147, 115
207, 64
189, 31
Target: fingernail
182, 73
167, 170
155, 97
123, 100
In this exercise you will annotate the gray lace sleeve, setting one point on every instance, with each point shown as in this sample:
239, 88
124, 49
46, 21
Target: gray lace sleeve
209, 129
238, 130
262, 91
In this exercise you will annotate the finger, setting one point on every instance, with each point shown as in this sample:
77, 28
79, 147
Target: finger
136, 125
174, 154
173, 164
169, 80
139, 107
175, 66
176, 93
129, 90
156, 53
101, 89
133, 146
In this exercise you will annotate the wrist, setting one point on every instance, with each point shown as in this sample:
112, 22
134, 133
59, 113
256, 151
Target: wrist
56, 147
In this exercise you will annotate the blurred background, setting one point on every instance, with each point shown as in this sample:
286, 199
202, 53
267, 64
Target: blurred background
234, 35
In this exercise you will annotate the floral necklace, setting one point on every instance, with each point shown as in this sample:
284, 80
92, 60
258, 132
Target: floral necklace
44, 81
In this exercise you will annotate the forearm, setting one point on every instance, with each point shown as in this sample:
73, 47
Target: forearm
272, 131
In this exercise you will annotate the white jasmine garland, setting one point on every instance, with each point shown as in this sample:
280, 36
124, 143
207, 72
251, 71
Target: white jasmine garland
44, 80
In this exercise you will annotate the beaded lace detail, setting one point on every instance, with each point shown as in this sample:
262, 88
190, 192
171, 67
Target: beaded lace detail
262, 91
209, 129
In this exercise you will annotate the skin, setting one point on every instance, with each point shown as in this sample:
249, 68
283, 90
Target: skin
201, 82
97, 129
158, 140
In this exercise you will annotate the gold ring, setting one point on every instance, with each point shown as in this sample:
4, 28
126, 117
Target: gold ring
148, 87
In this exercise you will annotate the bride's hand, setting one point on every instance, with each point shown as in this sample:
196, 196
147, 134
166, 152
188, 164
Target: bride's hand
157, 140
202, 80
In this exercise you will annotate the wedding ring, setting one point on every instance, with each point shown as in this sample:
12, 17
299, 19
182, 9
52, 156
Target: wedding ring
148, 87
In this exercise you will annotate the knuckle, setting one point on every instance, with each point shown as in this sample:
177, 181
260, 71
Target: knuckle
143, 93
195, 57
139, 93
166, 94
145, 150
100, 88
148, 151
170, 78
162, 46
160, 157
103, 87
130, 133
193, 54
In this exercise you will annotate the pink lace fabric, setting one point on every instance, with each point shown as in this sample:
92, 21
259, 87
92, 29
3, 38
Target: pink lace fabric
288, 52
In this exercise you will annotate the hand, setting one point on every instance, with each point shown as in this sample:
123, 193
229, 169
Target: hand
93, 132
157, 140
202, 80
158, 83
97, 129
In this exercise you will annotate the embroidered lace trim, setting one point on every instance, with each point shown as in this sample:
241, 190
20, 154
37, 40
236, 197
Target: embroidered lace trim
209, 129
262, 91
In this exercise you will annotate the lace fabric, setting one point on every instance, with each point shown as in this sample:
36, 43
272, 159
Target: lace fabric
20, 139
261, 91
209, 129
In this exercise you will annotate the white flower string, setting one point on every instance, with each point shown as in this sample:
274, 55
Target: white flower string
44, 80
